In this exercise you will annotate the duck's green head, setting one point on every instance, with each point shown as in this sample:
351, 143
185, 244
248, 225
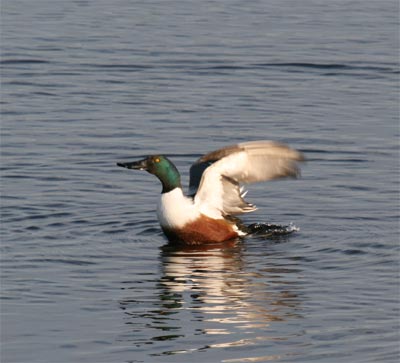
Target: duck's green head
161, 167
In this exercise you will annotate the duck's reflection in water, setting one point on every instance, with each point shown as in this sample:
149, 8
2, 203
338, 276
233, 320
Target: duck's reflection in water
207, 293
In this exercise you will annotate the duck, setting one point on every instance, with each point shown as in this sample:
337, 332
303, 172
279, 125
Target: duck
209, 212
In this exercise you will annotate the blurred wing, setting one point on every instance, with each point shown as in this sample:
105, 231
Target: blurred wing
223, 171
198, 168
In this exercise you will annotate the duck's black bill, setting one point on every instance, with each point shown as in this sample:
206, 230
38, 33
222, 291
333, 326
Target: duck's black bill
138, 165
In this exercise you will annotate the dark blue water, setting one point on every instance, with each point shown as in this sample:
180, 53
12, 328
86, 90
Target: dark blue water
86, 274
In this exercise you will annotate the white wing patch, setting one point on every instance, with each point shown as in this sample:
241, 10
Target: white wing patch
220, 193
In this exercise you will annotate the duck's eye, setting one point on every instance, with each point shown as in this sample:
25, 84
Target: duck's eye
157, 160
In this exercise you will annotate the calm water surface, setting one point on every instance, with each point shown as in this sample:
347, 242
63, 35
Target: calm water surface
86, 274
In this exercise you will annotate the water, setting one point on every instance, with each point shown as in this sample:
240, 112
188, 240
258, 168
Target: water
86, 274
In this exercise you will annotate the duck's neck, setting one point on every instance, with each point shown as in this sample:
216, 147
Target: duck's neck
170, 179
167, 185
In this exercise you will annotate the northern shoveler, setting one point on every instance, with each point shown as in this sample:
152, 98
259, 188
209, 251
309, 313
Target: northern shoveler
208, 214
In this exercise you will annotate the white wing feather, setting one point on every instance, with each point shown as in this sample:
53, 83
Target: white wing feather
219, 192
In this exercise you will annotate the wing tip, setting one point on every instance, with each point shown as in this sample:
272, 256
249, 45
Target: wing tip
250, 208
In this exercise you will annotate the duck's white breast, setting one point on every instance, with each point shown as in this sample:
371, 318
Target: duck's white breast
174, 209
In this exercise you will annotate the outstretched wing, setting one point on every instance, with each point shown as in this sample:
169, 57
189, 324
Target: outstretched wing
219, 174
